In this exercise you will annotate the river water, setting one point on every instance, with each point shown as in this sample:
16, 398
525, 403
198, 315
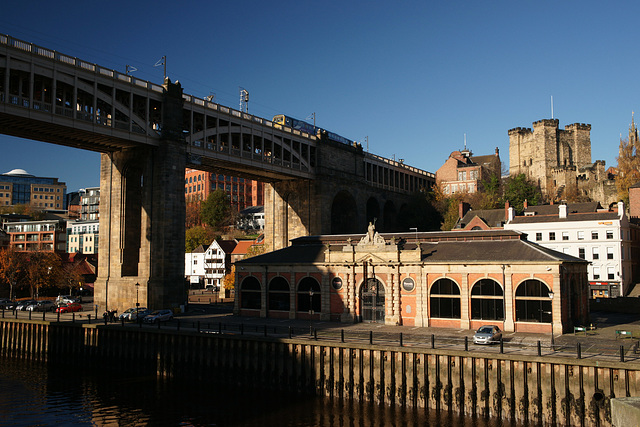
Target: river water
33, 394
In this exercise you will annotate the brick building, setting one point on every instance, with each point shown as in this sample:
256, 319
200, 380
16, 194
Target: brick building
456, 279
463, 172
559, 161
242, 192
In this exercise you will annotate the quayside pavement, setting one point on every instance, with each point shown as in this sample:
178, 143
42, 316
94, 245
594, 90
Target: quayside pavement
604, 341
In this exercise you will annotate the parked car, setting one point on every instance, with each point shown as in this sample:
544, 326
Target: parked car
66, 299
487, 334
7, 304
144, 312
44, 305
158, 316
69, 308
132, 312
22, 305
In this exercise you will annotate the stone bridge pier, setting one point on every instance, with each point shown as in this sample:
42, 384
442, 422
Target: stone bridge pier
142, 217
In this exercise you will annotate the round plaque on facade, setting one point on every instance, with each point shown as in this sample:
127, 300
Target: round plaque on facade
336, 283
408, 284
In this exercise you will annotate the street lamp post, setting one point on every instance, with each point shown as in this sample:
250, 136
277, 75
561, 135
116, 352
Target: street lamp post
416, 231
311, 311
137, 302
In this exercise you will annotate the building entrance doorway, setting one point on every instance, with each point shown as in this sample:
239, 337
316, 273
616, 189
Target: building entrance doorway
372, 301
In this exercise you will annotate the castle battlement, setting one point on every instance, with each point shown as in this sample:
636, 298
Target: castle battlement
578, 126
547, 123
520, 130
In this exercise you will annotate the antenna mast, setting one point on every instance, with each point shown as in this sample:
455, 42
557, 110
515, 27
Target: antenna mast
552, 106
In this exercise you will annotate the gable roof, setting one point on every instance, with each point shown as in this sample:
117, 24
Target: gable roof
491, 217
242, 247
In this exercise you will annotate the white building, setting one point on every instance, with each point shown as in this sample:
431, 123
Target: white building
604, 237
207, 267
83, 236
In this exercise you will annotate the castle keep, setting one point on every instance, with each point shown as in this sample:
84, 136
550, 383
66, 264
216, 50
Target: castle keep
559, 161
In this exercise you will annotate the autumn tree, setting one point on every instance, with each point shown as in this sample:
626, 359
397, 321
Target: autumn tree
193, 214
229, 281
71, 276
197, 236
12, 269
628, 166
43, 271
216, 210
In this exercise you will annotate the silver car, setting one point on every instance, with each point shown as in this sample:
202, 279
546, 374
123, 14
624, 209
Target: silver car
487, 334
130, 314
159, 316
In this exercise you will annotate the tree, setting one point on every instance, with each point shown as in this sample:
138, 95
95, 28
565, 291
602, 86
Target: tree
628, 167
43, 271
216, 210
229, 281
193, 214
71, 276
12, 269
197, 236
517, 189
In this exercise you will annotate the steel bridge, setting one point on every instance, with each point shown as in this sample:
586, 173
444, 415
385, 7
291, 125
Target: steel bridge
148, 134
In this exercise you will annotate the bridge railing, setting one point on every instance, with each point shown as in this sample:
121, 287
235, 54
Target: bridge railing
400, 165
242, 115
76, 62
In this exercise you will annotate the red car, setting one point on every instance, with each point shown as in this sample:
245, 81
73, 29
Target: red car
69, 308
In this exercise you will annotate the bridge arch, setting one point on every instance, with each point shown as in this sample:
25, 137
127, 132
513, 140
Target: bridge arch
389, 215
373, 210
344, 214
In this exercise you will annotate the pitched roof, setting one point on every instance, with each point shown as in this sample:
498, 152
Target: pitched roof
242, 247
490, 246
571, 208
491, 217
227, 245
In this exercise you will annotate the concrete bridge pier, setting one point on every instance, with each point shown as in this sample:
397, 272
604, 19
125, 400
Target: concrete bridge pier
142, 216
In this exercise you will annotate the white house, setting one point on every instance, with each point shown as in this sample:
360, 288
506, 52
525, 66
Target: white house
207, 267
605, 237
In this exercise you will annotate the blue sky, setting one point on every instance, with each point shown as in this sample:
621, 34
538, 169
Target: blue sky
413, 77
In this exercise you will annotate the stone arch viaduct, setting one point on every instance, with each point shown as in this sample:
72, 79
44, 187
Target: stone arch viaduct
148, 134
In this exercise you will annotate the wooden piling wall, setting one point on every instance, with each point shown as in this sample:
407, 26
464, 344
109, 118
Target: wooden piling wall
517, 387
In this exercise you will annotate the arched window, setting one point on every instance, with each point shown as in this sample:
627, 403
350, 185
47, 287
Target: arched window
487, 300
445, 299
250, 293
309, 297
533, 303
278, 296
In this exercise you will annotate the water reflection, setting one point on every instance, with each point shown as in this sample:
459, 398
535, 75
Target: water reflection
36, 394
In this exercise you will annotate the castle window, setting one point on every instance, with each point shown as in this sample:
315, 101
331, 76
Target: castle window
530, 162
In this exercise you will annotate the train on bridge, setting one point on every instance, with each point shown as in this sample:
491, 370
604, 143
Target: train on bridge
283, 120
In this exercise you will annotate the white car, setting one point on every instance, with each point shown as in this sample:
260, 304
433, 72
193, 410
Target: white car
131, 314
158, 316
